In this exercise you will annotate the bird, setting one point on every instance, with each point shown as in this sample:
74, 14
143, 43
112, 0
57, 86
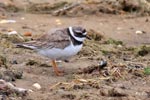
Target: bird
58, 44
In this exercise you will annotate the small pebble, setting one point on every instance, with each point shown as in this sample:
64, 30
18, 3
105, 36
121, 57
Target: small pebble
57, 20
119, 46
119, 28
27, 34
12, 32
140, 32
7, 21
14, 62
59, 23
102, 64
37, 86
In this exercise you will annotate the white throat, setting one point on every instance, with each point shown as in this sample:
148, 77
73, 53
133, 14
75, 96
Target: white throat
76, 38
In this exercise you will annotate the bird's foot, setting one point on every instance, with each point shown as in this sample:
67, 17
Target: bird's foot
57, 71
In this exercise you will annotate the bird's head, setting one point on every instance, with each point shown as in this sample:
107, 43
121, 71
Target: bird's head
79, 33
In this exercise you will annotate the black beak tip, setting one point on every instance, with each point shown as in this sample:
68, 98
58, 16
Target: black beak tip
88, 37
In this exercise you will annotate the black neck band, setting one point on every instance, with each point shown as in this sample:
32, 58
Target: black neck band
74, 41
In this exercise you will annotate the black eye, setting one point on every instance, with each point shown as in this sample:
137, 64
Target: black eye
79, 34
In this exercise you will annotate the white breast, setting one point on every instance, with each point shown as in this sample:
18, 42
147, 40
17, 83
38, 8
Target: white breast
61, 54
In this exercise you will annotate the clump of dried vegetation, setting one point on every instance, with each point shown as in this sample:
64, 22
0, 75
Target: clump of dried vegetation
87, 7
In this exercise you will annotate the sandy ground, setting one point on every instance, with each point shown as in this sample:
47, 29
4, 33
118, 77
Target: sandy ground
130, 86
112, 26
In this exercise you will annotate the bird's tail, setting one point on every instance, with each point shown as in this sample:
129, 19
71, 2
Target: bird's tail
24, 46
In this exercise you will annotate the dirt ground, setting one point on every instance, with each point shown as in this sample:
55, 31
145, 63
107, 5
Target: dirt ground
122, 40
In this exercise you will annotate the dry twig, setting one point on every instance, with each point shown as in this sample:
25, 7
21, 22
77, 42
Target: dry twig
77, 82
57, 12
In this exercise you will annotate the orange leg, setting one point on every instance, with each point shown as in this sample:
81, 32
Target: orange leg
54, 65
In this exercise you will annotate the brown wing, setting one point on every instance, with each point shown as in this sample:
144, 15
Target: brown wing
53, 39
